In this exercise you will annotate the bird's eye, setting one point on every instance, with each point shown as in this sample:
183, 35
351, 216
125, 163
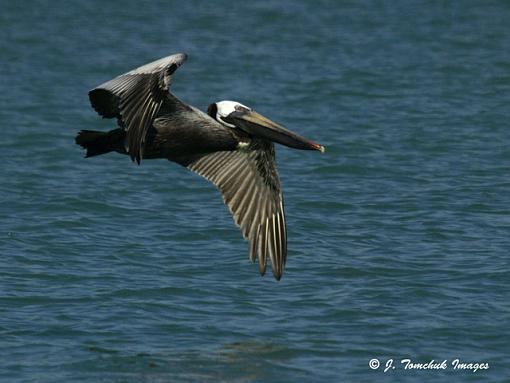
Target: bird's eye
239, 108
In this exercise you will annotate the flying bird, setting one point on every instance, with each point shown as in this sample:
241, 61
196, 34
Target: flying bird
231, 145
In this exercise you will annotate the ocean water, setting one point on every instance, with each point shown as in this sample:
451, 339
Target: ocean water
399, 235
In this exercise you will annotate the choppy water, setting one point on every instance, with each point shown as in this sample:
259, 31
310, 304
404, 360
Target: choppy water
398, 235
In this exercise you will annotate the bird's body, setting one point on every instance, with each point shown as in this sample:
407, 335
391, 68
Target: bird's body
181, 136
231, 146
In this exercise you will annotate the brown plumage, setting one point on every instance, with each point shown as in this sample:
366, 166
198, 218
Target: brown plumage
231, 146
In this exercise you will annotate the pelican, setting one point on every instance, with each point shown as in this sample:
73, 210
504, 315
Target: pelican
231, 145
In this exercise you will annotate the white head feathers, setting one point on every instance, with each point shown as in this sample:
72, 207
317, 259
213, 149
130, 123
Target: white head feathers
224, 108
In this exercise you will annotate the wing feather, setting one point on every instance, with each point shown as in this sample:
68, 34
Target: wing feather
250, 186
136, 97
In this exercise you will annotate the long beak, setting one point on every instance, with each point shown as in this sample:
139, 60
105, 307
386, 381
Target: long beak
259, 126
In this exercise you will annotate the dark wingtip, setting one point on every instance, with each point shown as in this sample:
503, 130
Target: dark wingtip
104, 102
135, 158
277, 275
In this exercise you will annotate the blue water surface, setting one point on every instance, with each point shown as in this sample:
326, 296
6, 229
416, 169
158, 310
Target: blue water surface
399, 235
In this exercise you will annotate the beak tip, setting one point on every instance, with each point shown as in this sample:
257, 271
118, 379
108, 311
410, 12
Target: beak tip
318, 147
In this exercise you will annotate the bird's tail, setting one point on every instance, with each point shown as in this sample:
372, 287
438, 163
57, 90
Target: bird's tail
98, 143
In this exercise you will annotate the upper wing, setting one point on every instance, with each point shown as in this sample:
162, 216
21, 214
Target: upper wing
135, 98
249, 182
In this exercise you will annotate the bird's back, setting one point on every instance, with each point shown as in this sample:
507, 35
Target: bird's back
181, 131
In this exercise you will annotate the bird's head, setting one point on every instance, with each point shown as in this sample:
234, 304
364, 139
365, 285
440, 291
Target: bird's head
236, 115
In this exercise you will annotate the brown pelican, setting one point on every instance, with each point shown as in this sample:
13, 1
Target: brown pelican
231, 146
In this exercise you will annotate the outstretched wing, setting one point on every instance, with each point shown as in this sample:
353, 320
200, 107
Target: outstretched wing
249, 183
135, 98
